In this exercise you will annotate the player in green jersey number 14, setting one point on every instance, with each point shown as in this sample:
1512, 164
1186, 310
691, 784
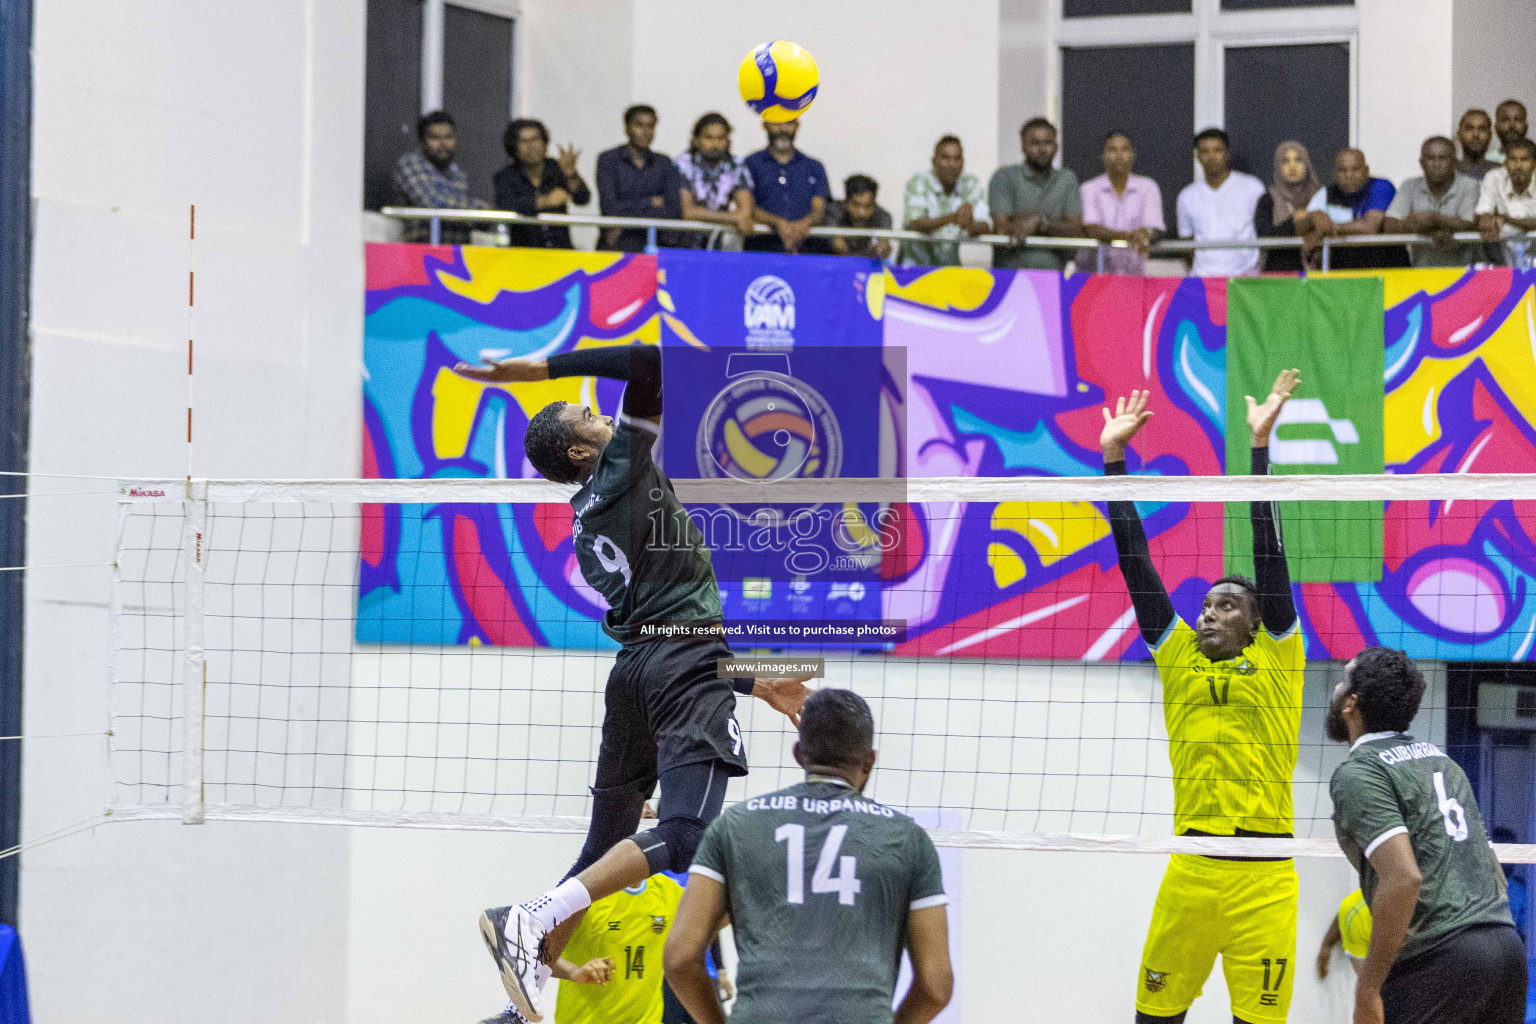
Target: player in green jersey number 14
824, 888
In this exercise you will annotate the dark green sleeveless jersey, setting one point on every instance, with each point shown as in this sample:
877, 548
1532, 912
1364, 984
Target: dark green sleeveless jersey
635, 544
1392, 784
819, 882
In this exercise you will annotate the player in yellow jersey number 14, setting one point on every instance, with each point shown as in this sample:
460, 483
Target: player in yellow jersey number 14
1232, 687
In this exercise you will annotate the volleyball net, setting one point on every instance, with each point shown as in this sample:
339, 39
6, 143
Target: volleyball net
425, 653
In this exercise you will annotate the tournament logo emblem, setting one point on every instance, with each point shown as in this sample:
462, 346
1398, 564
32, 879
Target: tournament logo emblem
658, 924
1156, 980
769, 313
766, 425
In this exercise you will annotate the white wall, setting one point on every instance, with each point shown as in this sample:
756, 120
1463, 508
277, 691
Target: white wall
1405, 81
1026, 70
252, 112
1493, 41
574, 74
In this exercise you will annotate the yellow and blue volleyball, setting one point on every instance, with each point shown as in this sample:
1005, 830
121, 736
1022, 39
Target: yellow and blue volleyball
1355, 925
778, 80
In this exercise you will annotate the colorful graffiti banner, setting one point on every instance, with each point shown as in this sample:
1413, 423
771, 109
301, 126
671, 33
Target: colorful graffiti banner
1005, 375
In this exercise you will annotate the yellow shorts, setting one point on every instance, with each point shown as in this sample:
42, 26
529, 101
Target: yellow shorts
1243, 910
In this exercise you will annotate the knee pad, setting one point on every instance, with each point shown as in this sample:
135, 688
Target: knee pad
670, 845
615, 813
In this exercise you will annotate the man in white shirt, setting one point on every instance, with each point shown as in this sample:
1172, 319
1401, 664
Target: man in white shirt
1506, 207
1218, 207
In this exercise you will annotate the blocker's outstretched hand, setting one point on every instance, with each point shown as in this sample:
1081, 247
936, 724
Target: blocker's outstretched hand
786, 696
1129, 417
504, 371
1262, 416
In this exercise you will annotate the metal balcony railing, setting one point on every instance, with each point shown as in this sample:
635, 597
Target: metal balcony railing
1168, 247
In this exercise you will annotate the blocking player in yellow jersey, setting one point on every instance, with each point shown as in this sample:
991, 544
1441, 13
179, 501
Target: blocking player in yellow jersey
1232, 686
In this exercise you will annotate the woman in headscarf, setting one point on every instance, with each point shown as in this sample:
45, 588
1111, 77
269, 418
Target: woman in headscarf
1291, 187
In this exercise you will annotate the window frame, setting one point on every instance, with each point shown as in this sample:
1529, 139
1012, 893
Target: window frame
433, 17
1213, 32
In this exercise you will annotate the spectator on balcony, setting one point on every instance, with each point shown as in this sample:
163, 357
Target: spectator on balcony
946, 203
1355, 204
716, 186
1121, 206
633, 180
429, 178
1218, 206
1509, 124
533, 183
1439, 203
1290, 189
858, 209
790, 192
1034, 198
1475, 132
1507, 206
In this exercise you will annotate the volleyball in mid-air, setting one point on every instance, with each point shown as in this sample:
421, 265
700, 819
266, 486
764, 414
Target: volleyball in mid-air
778, 80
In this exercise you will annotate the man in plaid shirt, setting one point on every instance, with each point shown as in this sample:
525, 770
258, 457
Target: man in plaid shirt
430, 178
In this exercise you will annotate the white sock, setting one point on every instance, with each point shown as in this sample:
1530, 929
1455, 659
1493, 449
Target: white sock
563, 901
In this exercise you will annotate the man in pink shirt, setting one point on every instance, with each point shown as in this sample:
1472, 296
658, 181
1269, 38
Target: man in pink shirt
1121, 206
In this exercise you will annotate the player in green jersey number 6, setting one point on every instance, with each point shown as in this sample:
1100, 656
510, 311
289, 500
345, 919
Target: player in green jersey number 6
824, 889
667, 716
1443, 947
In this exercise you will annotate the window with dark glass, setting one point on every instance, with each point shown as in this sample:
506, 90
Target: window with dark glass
1102, 8
1266, 5
392, 92
477, 90
1147, 92
1276, 93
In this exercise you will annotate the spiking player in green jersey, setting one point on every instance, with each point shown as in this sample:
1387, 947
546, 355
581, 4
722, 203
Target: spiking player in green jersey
1443, 947
667, 716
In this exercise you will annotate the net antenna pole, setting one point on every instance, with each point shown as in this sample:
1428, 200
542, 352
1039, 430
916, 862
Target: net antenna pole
194, 529
191, 306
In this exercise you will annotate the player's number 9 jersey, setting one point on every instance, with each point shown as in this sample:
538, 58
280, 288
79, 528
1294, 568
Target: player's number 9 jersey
1233, 729
635, 543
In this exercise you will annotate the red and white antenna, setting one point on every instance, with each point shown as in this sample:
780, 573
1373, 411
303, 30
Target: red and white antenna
191, 298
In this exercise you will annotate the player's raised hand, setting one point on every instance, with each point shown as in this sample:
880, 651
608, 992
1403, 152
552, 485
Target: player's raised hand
596, 971
504, 371
1129, 417
786, 696
1262, 415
